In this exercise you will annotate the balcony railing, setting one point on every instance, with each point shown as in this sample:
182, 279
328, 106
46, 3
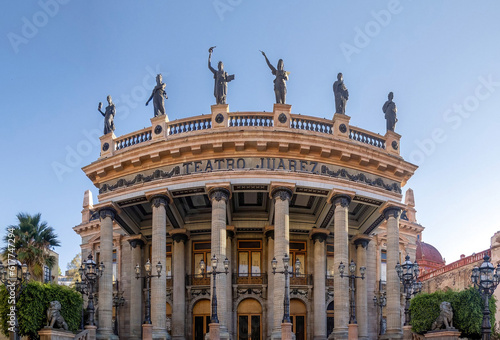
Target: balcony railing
198, 280
250, 279
301, 280
244, 120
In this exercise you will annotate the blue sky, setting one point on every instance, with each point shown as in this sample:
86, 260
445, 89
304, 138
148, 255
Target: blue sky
441, 60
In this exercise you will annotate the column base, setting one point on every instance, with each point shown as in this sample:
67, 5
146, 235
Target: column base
92, 331
286, 331
160, 334
353, 331
147, 331
392, 335
338, 334
214, 331
106, 335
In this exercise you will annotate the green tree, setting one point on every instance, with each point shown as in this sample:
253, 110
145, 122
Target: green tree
72, 268
32, 240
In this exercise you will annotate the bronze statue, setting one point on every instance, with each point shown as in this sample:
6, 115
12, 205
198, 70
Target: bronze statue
54, 317
445, 318
390, 110
221, 79
158, 95
341, 94
109, 116
279, 81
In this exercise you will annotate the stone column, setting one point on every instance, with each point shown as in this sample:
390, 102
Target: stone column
105, 330
372, 258
219, 197
229, 291
319, 293
158, 254
393, 286
361, 289
179, 285
270, 281
136, 290
341, 285
281, 196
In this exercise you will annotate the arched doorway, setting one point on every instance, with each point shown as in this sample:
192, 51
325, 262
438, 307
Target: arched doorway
298, 312
330, 313
249, 320
201, 319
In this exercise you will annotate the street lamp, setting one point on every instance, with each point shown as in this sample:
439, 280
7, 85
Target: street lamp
89, 272
214, 272
352, 277
118, 301
286, 302
148, 276
15, 277
486, 279
408, 274
380, 302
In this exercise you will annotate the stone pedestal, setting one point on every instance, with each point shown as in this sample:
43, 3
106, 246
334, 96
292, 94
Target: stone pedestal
286, 331
147, 332
353, 331
214, 329
55, 334
407, 335
92, 331
445, 334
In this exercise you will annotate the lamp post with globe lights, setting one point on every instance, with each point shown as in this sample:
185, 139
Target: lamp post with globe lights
408, 274
214, 261
286, 302
352, 277
15, 277
89, 272
485, 279
148, 276
381, 302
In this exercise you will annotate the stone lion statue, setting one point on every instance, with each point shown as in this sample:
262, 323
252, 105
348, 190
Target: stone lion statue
445, 318
54, 317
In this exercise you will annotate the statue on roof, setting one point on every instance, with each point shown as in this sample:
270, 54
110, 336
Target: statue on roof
109, 116
158, 95
221, 79
279, 81
390, 110
341, 94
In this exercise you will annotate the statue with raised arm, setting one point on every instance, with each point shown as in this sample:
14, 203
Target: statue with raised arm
221, 79
158, 95
390, 110
279, 81
109, 116
341, 94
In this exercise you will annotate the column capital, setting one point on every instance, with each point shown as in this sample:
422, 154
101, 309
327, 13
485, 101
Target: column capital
269, 231
342, 199
179, 235
392, 212
361, 241
157, 200
319, 234
283, 193
107, 212
230, 231
219, 193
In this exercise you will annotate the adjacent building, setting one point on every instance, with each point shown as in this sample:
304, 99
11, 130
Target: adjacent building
250, 187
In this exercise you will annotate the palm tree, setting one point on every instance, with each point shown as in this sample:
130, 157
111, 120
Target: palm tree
32, 240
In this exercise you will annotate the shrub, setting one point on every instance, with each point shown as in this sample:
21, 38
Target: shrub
467, 311
33, 305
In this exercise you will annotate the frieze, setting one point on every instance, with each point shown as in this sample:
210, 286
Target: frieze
361, 177
263, 163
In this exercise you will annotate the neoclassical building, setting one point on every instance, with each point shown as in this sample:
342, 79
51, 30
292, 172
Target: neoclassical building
250, 187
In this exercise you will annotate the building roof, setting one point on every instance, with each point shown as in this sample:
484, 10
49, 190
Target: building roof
427, 252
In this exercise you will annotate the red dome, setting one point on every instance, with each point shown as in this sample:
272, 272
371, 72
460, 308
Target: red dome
426, 252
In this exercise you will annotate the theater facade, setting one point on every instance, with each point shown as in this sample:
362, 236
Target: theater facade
250, 187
